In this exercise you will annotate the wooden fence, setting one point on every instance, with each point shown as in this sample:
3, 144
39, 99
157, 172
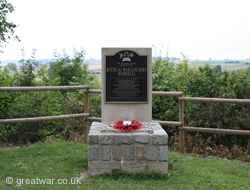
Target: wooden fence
86, 117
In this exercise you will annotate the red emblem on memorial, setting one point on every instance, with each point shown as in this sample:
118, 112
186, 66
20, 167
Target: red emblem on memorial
126, 56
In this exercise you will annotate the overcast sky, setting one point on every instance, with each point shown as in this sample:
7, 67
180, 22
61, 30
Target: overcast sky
203, 29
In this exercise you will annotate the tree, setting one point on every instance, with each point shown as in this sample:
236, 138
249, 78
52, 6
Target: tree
27, 73
6, 27
71, 70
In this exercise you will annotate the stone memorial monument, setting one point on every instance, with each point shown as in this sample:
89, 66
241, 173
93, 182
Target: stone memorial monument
126, 84
127, 96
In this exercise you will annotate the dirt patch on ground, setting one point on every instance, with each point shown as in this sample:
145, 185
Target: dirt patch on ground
83, 175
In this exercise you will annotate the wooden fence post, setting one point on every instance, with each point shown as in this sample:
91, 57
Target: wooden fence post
181, 119
85, 121
187, 148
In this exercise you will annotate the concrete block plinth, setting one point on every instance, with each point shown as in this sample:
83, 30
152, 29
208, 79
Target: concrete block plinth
137, 151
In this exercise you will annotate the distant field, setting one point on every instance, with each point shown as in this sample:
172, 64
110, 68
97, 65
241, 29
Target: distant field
229, 65
95, 68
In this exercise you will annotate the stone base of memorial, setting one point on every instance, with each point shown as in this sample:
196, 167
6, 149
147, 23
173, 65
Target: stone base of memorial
137, 151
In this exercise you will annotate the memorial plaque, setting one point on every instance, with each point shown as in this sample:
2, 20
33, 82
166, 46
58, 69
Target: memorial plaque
126, 84
126, 76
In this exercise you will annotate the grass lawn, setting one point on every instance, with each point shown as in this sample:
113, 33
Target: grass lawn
65, 160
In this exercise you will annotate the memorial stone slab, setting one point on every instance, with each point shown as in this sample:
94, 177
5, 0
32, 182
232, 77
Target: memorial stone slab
126, 84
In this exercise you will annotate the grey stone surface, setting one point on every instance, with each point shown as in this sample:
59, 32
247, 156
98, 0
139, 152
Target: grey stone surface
151, 153
104, 164
159, 132
95, 124
142, 138
93, 139
129, 152
96, 168
163, 153
117, 153
160, 139
106, 153
107, 138
139, 112
125, 139
140, 153
93, 153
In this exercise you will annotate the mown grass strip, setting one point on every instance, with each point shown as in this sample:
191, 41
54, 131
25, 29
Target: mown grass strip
65, 160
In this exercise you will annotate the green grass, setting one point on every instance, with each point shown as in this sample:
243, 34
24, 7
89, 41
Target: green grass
64, 160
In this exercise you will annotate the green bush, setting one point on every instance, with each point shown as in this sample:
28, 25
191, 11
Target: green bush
204, 81
65, 70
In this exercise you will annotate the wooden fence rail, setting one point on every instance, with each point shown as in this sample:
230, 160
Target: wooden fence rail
55, 117
215, 100
45, 118
216, 131
43, 88
183, 129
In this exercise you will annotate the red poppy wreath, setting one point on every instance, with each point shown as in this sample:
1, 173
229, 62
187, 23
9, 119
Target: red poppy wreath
127, 125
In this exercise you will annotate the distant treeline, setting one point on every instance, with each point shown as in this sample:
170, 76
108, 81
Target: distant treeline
232, 61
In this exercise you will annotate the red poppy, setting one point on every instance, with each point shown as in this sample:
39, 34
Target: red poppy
135, 125
129, 55
124, 55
